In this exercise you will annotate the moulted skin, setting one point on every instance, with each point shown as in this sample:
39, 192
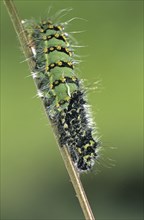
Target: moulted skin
61, 90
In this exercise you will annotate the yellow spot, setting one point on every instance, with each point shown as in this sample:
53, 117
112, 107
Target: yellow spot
41, 30
58, 47
63, 79
59, 27
79, 117
43, 22
79, 150
91, 142
44, 37
37, 27
63, 120
70, 54
56, 35
51, 86
53, 92
64, 37
67, 98
51, 48
59, 109
52, 65
70, 63
56, 82
49, 37
45, 50
57, 104
86, 157
46, 68
63, 114
66, 49
84, 133
86, 146
74, 78
50, 26
65, 125
59, 63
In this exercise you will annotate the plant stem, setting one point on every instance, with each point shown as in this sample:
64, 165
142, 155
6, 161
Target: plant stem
74, 175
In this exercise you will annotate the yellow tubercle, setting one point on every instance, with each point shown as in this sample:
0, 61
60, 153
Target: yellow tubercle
65, 125
44, 37
44, 22
58, 47
63, 79
67, 98
59, 63
50, 26
74, 78
59, 27
79, 117
56, 35
70, 53
86, 157
52, 65
45, 50
57, 104
79, 150
70, 63
51, 86
86, 146
64, 37
46, 68
51, 48
56, 82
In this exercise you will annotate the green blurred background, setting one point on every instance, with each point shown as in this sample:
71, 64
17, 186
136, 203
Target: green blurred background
35, 183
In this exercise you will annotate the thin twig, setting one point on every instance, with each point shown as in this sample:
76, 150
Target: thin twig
74, 175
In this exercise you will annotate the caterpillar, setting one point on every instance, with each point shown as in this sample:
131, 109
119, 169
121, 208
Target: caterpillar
61, 90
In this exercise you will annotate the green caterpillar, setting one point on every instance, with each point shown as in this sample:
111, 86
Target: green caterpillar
61, 90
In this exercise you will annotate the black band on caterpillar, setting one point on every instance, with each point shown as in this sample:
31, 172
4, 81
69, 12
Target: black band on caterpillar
56, 36
61, 64
59, 48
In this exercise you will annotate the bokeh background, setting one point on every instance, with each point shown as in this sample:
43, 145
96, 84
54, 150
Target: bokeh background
34, 181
